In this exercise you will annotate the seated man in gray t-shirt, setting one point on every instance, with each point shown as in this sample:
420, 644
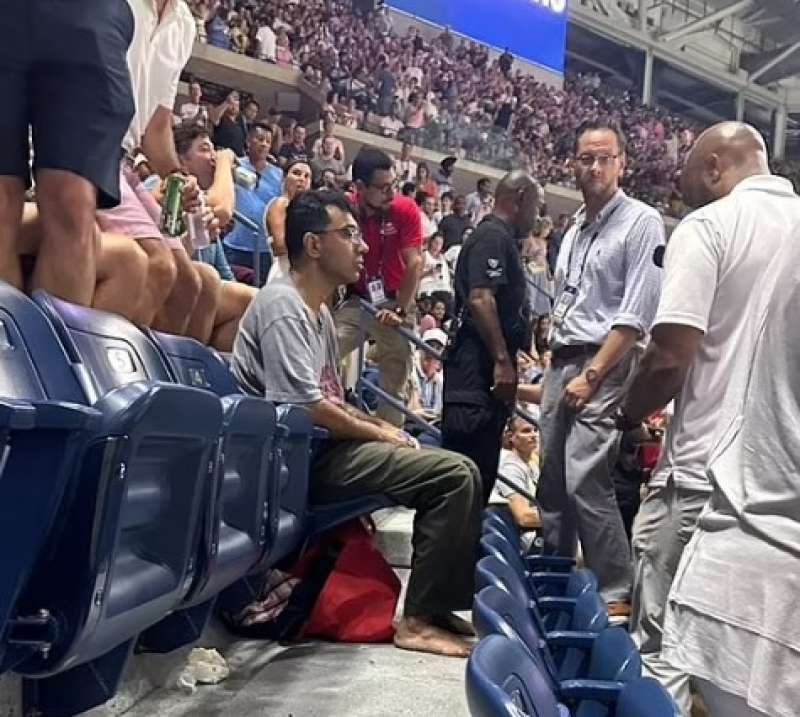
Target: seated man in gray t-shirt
286, 351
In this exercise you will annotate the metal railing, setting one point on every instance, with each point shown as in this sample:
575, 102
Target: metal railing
368, 310
253, 227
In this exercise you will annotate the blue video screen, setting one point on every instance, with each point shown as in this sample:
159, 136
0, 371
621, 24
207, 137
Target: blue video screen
535, 30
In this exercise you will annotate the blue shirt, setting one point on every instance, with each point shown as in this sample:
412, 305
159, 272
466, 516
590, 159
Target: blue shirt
610, 262
215, 256
252, 203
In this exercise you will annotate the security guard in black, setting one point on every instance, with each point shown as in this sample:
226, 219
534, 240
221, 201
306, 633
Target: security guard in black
473, 419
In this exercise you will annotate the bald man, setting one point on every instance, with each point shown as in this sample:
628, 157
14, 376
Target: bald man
714, 259
480, 367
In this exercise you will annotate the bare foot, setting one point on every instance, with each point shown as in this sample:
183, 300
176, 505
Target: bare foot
454, 623
420, 635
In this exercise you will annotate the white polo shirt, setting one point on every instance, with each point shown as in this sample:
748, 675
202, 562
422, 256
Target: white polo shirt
156, 58
714, 259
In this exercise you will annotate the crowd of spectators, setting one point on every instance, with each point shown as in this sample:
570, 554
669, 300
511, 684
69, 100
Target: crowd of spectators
448, 93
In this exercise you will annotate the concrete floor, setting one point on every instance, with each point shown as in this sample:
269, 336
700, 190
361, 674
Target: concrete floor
314, 679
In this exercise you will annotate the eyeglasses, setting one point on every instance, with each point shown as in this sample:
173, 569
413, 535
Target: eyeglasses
588, 160
350, 233
387, 188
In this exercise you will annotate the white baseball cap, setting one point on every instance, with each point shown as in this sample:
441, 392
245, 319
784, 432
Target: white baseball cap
435, 335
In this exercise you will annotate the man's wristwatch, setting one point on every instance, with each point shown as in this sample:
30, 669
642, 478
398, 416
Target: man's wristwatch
400, 311
592, 377
623, 422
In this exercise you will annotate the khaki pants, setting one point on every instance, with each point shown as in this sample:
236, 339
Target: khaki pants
443, 488
395, 353
663, 527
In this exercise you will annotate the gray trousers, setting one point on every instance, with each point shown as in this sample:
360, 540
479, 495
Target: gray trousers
576, 488
444, 489
663, 527
395, 354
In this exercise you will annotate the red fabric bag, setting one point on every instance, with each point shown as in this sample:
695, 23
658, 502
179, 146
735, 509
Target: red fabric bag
359, 598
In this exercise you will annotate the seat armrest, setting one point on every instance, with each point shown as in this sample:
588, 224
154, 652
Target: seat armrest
17, 414
66, 416
571, 638
603, 691
556, 604
549, 562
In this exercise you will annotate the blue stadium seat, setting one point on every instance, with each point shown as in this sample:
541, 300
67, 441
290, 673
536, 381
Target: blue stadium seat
501, 522
291, 519
612, 655
503, 680
120, 552
233, 532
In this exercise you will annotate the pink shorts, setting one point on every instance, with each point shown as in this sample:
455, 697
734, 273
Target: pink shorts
138, 213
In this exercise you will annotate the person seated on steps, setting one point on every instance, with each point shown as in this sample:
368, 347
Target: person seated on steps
286, 351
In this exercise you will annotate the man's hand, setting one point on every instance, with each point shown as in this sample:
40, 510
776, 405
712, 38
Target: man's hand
578, 393
191, 195
212, 223
388, 318
226, 155
399, 438
505, 382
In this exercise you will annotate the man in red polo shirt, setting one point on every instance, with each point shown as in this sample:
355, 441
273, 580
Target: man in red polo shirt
392, 229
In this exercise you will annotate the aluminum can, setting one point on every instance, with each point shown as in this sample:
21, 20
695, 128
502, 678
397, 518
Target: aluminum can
172, 206
196, 226
245, 178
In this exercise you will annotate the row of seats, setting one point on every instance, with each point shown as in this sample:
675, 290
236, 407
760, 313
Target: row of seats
138, 489
546, 649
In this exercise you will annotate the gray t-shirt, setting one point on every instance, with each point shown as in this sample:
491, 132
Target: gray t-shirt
284, 352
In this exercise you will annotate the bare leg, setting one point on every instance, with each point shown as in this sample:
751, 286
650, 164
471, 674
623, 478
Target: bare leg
201, 322
176, 312
121, 274
161, 277
12, 195
233, 303
66, 265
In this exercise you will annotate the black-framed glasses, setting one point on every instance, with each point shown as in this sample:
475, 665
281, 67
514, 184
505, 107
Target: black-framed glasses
349, 232
588, 160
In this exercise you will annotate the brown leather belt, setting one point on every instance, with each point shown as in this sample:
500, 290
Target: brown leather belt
573, 351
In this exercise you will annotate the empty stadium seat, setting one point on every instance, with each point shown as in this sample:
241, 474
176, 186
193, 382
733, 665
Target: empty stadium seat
503, 680
120, 552
611, 656
232, 536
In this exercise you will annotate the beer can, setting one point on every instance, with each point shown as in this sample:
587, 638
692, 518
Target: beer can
245, 178
196, 226
172, 206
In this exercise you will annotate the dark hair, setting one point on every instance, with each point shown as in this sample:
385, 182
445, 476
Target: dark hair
258, 125
483, 181
185, 134
407, 190
594, 125
253, 101
308, 212
447, 195
368, 161
294, 163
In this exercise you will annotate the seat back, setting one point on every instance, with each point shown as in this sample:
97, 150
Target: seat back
493, 570
130, 554
499, 519
590, 614
614, 657
37, 465
645, 697
503, 680
496, 612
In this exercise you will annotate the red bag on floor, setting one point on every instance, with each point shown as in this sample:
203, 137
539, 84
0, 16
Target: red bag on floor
359, 598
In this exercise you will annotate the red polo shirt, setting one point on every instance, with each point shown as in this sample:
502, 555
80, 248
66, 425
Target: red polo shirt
388, 236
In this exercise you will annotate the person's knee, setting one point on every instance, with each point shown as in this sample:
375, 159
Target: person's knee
210, 282
162, 273
67, 204
124, 261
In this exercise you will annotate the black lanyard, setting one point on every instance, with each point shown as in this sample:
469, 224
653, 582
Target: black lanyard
588, 249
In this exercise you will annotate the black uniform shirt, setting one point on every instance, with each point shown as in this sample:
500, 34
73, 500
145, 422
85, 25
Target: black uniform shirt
489, 259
